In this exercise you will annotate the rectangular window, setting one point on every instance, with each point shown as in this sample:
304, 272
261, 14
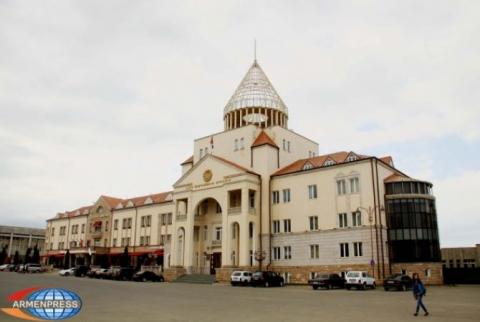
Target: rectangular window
286, 195
147, 240
276, 253
275, 197
276, 226
344, 250
169, 218
287, 225
83, 228
236, 145
218, 233
205, 232
288, 146
312, 191
356, 218
287, 252
342, 220
242, 146
114, 242
53, 231
341, 190
129, 223
314, 251
141, 240
354, 185
115, 224
163, 219
358, 249
313, 222
142, 221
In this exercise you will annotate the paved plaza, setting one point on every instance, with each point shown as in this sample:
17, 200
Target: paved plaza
105, 300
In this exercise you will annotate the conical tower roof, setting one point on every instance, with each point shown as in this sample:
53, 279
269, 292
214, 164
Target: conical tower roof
255, 90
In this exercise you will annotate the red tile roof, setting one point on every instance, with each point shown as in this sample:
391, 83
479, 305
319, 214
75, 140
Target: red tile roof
263, 139
73, 213
388, 160
189, 160
140, 201
111, 201
319, 161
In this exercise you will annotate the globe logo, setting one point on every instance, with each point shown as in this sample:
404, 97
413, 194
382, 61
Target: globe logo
54, 304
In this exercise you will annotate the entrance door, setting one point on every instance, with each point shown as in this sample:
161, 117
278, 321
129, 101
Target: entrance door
216, 262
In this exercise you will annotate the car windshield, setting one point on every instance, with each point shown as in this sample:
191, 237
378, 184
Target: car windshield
237, 274
321, 276
353, 274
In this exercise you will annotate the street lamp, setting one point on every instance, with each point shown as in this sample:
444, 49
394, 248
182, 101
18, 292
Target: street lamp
370, 211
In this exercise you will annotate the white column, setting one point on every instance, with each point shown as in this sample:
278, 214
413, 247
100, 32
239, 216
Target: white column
225, 234
10, 245
188, 239
243, 235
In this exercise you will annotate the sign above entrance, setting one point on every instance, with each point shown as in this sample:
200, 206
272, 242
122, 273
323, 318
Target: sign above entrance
207, 176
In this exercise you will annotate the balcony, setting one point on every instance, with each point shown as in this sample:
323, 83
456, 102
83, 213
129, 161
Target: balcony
234, 210
181, 217
96, 234
217, 243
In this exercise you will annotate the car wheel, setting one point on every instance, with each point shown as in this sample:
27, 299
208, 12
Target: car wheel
374, 286
315, 287
281, 284
144, 279
66, 274
404, 288
161, 279
267, 284
347, 287
364, 286
328, 286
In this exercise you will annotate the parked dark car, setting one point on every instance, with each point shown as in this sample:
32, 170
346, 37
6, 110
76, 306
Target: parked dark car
327, 281
398, 282
145, 276
123, 273
81, 270
266, 279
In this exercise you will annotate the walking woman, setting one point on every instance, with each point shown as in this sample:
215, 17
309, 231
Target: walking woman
419, 292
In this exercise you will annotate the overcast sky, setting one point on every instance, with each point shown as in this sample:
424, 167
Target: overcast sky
106, 97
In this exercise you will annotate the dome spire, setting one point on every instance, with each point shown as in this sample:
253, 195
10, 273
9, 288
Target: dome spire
255, 101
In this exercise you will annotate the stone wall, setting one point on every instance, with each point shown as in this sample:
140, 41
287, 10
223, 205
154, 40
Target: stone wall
430, 273
172, 273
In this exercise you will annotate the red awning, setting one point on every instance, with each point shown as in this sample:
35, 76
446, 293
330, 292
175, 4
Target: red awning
53, 255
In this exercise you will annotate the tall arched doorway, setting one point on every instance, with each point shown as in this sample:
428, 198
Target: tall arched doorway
207, 237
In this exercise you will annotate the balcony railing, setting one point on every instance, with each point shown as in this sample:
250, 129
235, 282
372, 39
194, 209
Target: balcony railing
181, 217
234, 210
216, 242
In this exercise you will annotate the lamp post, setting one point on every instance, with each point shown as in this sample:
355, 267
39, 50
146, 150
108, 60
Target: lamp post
370, 211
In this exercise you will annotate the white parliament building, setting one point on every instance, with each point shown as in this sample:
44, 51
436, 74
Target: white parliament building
259, 196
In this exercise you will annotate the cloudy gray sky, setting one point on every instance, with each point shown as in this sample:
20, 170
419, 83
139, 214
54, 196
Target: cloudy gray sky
106, 97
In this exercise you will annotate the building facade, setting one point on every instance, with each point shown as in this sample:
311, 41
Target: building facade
461, 257
19, 239
259, 196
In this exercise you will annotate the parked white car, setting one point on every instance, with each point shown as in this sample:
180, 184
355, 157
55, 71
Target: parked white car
33, 268
240, 278
359, 280
4, 267
67, 272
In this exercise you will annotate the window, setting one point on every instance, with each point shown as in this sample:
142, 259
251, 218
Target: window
358, 249
312, 191
251, 257
146, 221
251, 199
287, 252
329, 162
288, 146
307, 166
344, 250
129, 222
236, 145
341, 190
313, 222
106, 225
351, 157
169, 218
147, 240
115, 224
205, 232
284, 145
53, 231
356, 218
286, 195
201, 153
276, 226
250, 230
62, 231
163, 219
354, 185
114, 242
276, 253
206, 151
142, 222
287, 225
218, 233
242, 146
342, 220
141, 240
275, 197
428, 272
83, 228
314, 251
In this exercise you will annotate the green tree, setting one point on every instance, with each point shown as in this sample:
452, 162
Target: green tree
3, 254
36, 255
16, 258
